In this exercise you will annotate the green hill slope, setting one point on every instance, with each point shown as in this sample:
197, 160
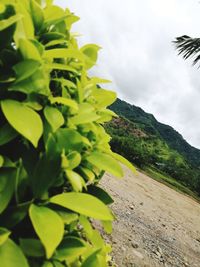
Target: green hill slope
152, 126
154, 146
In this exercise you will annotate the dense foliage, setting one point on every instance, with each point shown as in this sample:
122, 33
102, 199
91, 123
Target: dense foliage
53, 147
144, 141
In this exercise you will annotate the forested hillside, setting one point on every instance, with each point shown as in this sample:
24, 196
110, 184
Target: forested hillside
154, 146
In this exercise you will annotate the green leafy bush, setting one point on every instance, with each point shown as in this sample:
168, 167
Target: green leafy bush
53, 147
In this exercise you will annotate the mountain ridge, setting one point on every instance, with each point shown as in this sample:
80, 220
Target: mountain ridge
154, 147
194, 159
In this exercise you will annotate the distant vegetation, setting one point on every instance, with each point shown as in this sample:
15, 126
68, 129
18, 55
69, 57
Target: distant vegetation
152, 145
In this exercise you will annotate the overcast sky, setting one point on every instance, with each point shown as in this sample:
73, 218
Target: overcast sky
140, 59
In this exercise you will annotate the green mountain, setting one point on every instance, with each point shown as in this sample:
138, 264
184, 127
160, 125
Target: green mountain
154, 146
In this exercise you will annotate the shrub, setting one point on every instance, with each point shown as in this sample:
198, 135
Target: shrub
53, 147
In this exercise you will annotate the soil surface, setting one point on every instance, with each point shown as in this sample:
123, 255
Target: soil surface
156, 226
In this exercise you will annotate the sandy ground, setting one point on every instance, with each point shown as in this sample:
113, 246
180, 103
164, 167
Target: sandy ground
155, 226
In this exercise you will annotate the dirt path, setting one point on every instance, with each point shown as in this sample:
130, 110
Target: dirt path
156, 225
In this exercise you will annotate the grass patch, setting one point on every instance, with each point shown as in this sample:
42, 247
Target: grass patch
169, 181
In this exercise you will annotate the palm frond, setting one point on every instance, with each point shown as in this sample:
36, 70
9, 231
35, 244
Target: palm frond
188, 47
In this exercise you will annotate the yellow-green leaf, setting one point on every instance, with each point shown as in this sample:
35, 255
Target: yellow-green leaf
25, 69
29, 50
10, 21
64, 101
85, 114
57, 66
71, 247
91, 53
7, 183
104, 97
123, 161
87, 174
26, 24
63, 53
4, 234
92, 260
32, 247
37, 14
105, 162
11, 255
84, 204
48, 226
74, 159
1, 161
75, 180
23, 119
54, 117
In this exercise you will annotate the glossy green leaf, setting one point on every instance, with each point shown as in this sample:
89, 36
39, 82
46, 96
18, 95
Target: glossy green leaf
36, 83
64, 53
54, 117
4, 234
45, 174
23, 119
96, 239
7, 183
52, 36
104, 97
34, 105
86, 114
74, 159
69, 140
39, 46
56, 43
2, 8
32, 247
108, 112
10, 21
100, 193
107, 225
28, 50
7, 80
87, 174
57, 66
1, 161
68, 217
104, 118
25, 27
105, 162
124, 161
13, 215
75, 180
84, 204
87, 227
49, 231
25, 69
37, 14
11, 255
91, 53
70, 19
65, 82
58, 264
53, 14
70, 247
92, 260
48, 264
97, 80
64, 101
